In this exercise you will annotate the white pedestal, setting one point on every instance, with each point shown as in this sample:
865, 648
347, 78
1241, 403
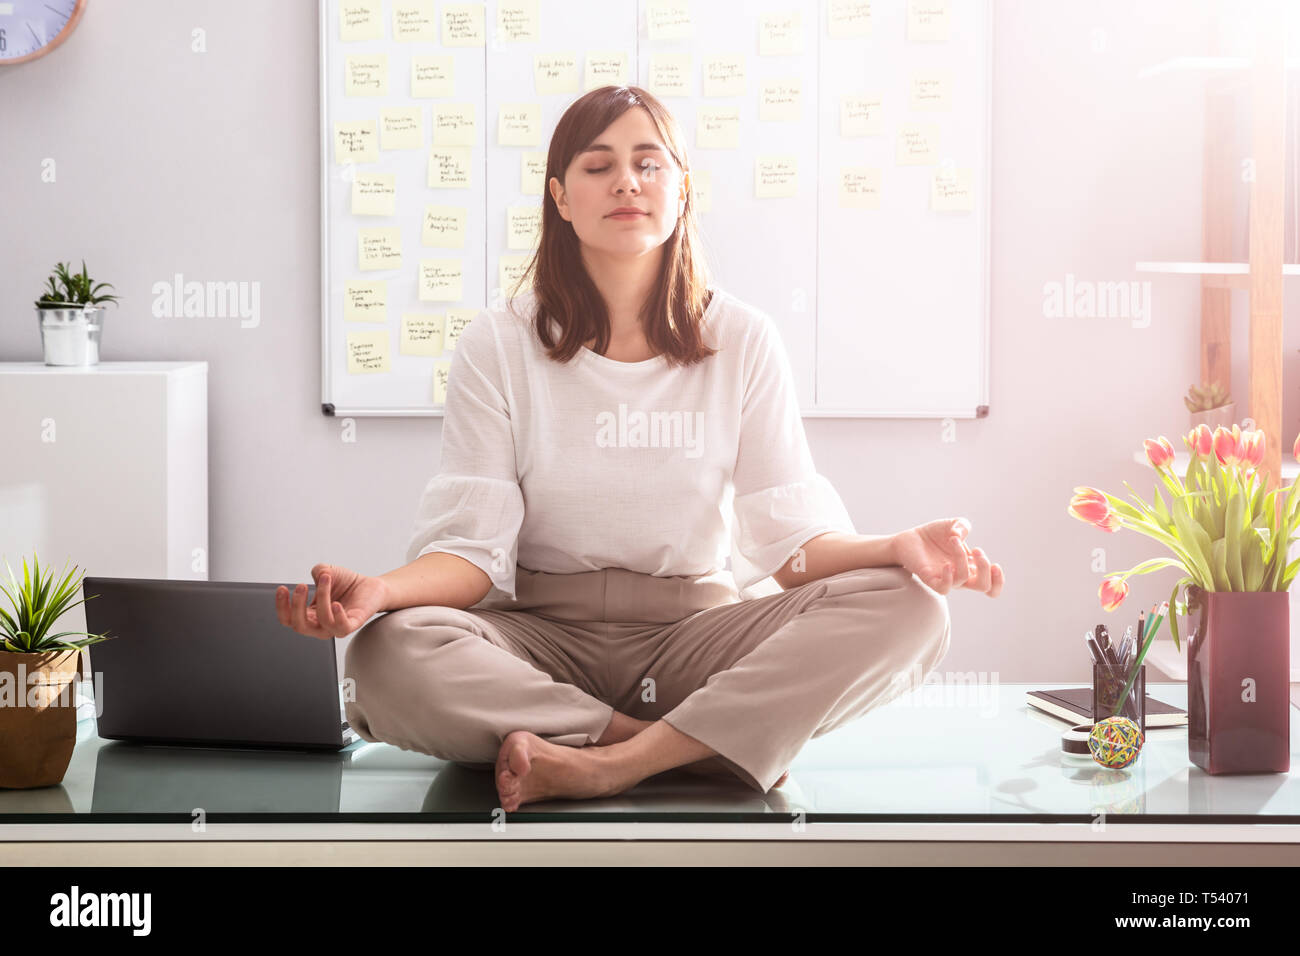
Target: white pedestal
105, 468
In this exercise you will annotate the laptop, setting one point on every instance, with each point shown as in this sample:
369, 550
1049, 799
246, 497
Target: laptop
208, 663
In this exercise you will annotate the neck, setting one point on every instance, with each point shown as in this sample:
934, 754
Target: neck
625, 283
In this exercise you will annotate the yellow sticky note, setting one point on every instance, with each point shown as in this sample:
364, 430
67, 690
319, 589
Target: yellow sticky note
510, 269
860, 115
413, 21
702, 190
918, 143
848, 18
462, 25
444, 227
374, 194
932, 90
367, 351
776, 176
724, 75
356, 142
421, 333
523, 226
360, 20
717, 127
517, 21
605, 69
453, 124
366, 74
519, 124
365, 300
780, 34
457, 319
433, 76
555, 73
670, 74
951, 191
860, 187
379, 248
449, 167
401, 127
440, 280
532, 173
669, 20
779, 100
927, 21
441, 375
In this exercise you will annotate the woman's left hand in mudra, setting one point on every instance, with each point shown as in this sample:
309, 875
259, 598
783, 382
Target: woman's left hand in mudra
937, 553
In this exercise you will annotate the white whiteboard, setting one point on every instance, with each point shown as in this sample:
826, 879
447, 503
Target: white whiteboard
883, 309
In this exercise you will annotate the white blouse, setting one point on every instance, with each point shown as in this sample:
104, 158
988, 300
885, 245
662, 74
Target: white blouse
598, 463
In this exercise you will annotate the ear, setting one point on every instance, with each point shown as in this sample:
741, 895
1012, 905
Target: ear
557, 194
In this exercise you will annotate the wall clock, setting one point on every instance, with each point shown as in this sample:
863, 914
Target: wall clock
32, 28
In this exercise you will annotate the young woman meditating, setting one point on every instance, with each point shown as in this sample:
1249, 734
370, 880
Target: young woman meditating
565, 614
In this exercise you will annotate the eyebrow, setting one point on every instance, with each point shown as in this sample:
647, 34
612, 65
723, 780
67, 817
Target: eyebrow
639, 147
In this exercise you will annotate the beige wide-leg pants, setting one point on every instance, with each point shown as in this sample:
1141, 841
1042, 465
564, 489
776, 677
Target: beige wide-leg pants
753, 678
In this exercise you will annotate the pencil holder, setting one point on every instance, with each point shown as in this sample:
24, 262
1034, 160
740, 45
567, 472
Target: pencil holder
1107, 690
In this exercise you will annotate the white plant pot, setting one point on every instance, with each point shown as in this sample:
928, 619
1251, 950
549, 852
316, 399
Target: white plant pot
71, 336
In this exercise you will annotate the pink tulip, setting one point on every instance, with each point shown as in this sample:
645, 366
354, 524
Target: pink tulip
1200, 442
1112, 523
1253, 447
1159, 452
1113, 591
1227, 446
1295, 449
1090, 505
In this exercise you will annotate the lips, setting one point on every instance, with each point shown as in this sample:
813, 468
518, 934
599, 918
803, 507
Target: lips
627, 212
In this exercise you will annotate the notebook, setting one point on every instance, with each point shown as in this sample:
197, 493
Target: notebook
1074, 704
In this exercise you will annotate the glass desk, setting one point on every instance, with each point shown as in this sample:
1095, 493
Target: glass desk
938, 763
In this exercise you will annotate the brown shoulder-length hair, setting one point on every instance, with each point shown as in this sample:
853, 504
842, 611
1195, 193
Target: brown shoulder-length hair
672, 314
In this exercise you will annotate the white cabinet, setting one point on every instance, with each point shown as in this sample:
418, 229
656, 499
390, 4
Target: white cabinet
105, 467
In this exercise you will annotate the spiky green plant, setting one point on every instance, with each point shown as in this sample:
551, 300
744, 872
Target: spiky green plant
1206, 398
77, 289
27, 630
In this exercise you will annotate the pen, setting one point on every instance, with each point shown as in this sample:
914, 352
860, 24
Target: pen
1159, 616
1099, 656
1103, 639
1123, 648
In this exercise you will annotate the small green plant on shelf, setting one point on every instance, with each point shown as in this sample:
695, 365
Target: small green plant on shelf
74, 289
1206, 397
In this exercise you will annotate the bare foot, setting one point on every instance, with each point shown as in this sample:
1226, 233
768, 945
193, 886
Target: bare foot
622, 727
529, 768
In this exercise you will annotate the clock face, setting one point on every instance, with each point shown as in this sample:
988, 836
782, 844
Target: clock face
32, 28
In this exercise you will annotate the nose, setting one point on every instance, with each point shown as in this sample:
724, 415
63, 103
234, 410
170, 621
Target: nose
628, 182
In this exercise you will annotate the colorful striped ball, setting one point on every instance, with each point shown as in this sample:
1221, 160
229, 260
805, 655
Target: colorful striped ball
1116, 742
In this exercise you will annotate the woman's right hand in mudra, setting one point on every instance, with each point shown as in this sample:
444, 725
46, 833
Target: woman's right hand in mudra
344, 600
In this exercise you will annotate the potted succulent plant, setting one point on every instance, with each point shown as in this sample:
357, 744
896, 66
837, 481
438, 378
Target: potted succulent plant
1230, 537
1211, 406
38, 708
71, 317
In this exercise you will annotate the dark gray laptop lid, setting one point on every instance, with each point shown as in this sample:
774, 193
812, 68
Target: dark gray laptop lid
207, 662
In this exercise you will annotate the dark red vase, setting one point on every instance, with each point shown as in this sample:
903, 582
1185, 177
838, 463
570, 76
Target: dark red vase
1239, 681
